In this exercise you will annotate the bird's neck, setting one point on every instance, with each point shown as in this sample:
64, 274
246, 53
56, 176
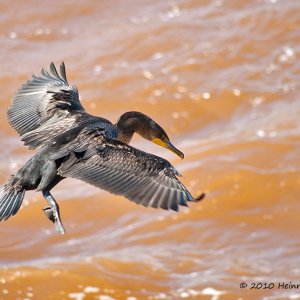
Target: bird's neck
130, 123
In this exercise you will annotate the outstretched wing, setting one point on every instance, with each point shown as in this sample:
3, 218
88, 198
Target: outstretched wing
43, 102
124, 170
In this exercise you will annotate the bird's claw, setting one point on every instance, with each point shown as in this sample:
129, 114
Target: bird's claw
52, 213
49, 213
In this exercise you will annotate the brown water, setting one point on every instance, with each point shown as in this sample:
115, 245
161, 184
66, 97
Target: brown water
222, 77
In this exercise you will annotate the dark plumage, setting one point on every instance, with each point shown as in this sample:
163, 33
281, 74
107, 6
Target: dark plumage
48, 115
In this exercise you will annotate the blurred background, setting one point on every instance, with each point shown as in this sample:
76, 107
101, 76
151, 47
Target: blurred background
222, 78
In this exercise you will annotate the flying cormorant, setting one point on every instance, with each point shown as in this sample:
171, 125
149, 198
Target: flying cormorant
47, 114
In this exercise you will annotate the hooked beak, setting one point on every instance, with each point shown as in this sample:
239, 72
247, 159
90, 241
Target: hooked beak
169, 146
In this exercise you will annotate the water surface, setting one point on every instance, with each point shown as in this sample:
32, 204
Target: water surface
222, 78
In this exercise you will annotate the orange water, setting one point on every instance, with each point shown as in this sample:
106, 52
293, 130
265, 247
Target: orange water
222, 77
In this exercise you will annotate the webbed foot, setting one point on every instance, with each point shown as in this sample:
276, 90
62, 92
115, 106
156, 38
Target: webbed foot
52, 213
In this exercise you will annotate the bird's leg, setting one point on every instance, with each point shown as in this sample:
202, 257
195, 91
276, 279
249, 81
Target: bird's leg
52, 212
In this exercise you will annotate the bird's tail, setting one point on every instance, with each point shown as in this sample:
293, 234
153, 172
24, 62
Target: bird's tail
10, 200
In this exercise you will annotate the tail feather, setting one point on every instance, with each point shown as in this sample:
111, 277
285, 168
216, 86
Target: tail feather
10, 201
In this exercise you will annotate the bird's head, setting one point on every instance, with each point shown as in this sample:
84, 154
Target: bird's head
132, 122
159, 137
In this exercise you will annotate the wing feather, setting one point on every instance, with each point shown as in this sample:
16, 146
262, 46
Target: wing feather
44, 102
124, 170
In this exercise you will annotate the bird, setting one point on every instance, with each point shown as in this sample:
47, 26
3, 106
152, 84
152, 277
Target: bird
47, 114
